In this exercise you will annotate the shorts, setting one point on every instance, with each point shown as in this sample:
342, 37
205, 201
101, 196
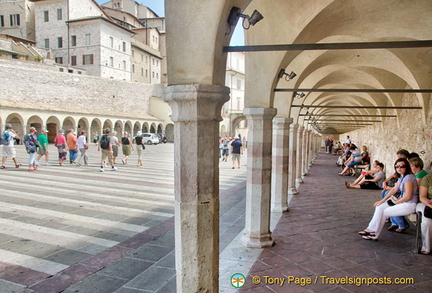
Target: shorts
225, 152
9, 151
369, 185
235, 157
126, 149
107, 154
115, 150
42, 152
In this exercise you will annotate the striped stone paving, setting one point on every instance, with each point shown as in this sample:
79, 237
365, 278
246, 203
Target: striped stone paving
76, 229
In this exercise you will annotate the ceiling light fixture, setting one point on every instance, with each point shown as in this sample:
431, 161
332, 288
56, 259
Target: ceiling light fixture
288, 77
235, 14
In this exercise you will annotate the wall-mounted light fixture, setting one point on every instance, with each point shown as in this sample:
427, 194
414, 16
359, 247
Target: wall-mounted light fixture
299, 95
235, 14
288, 77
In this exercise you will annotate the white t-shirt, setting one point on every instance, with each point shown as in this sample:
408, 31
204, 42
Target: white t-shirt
81, 142
11, 140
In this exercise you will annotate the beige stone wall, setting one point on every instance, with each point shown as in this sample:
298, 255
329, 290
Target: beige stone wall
36, 86
386, 138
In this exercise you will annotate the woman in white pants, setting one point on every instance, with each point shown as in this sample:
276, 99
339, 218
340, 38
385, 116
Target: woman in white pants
390, 206
426, 223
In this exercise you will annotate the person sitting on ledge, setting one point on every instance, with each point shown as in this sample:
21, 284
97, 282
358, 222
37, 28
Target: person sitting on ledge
426, 223
372, 180
353, 160
391, 206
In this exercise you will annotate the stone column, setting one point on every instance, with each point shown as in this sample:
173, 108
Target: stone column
196, 112
258, 189
280, 159
305, 152
299, 163
292, 155
309, 149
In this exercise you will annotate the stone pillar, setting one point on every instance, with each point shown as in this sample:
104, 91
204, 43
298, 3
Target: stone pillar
292, 154
309, 149
299, 163
304, 151
196, 111
258, 189
280, 160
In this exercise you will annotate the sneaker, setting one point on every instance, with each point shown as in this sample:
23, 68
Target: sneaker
36, 163
113, 169
78, 164
102, 169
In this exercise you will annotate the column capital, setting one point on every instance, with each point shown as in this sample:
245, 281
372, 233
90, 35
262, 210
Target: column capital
294, 127
282, 122
196, 102
260, 113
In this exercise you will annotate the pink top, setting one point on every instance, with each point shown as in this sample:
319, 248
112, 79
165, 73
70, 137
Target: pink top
59, 139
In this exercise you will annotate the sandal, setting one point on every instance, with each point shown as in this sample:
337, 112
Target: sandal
366, 233
371, 237
17, 165
392, 228
424, 252
2, 167
400, 230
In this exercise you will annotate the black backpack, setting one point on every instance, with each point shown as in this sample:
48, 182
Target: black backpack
104, 142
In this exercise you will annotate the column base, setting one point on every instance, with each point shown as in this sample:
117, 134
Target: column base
292, 191
261, 241
299, 181
280, 209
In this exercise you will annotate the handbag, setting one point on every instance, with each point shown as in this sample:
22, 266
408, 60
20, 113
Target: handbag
391, 201
427, 212
86, 146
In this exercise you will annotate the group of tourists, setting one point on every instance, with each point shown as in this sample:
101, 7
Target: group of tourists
233, 146
37, 147
406, 191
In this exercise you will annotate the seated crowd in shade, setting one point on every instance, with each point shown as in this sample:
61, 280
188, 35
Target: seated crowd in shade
407, 190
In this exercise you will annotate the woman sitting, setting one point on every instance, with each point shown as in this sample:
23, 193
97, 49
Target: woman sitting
426, 223
353, 160
390, 206
400, 224
372, 180
365, 155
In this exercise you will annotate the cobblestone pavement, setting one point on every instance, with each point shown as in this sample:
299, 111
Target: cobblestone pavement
317, 242
75, 229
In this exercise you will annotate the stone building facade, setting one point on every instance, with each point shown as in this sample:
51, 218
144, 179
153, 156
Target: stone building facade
17, 18
56, 100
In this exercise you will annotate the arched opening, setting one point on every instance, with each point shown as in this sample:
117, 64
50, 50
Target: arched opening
68, 124
36, 122
95, 130
137, 127
52, 126
145, 127
153, 128
118, 127
17, 123
169, 132
160, 128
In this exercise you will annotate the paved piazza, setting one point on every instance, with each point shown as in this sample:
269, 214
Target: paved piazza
79, 230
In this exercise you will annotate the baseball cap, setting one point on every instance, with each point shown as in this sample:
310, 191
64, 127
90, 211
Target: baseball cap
44, 130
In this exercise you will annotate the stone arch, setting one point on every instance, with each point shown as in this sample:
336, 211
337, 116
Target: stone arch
95, 129
236, 119
128, 128
68, 123
17, 123
145, 127
118, 127
136, 128
83, 124
152, 128
160, 128
223, 131
36, 122
169, 132
107, 125
53, 126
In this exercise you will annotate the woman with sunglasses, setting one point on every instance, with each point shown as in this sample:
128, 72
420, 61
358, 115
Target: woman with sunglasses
391, 206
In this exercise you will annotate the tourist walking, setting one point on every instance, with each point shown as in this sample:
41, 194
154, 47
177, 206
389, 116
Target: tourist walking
115, 145
106, 147
60, 144
71, 140
139, 147
82, 147
7, 139
127, 147
225, 148
43, 149
236, 149
31, 144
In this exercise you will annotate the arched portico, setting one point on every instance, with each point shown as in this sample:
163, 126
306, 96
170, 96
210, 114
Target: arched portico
362, 77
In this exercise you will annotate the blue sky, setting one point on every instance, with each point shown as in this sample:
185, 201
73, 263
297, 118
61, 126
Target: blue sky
158, 7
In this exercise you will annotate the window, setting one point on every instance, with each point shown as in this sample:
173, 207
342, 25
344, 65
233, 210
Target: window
157, 62
73, 41
238, 103
14, 19
142, 71
239, 84
157, 75
112, 42
87, 59
133, 68
87, 38
112, 61
152, 74
60, 42
133, 53
59, 14
124, 46
59, 60
146, 73
153, 61
46, 41
124, 64
2, 21
46, 16
74, 60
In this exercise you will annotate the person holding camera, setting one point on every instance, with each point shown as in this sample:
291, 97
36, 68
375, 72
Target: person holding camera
7, 140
